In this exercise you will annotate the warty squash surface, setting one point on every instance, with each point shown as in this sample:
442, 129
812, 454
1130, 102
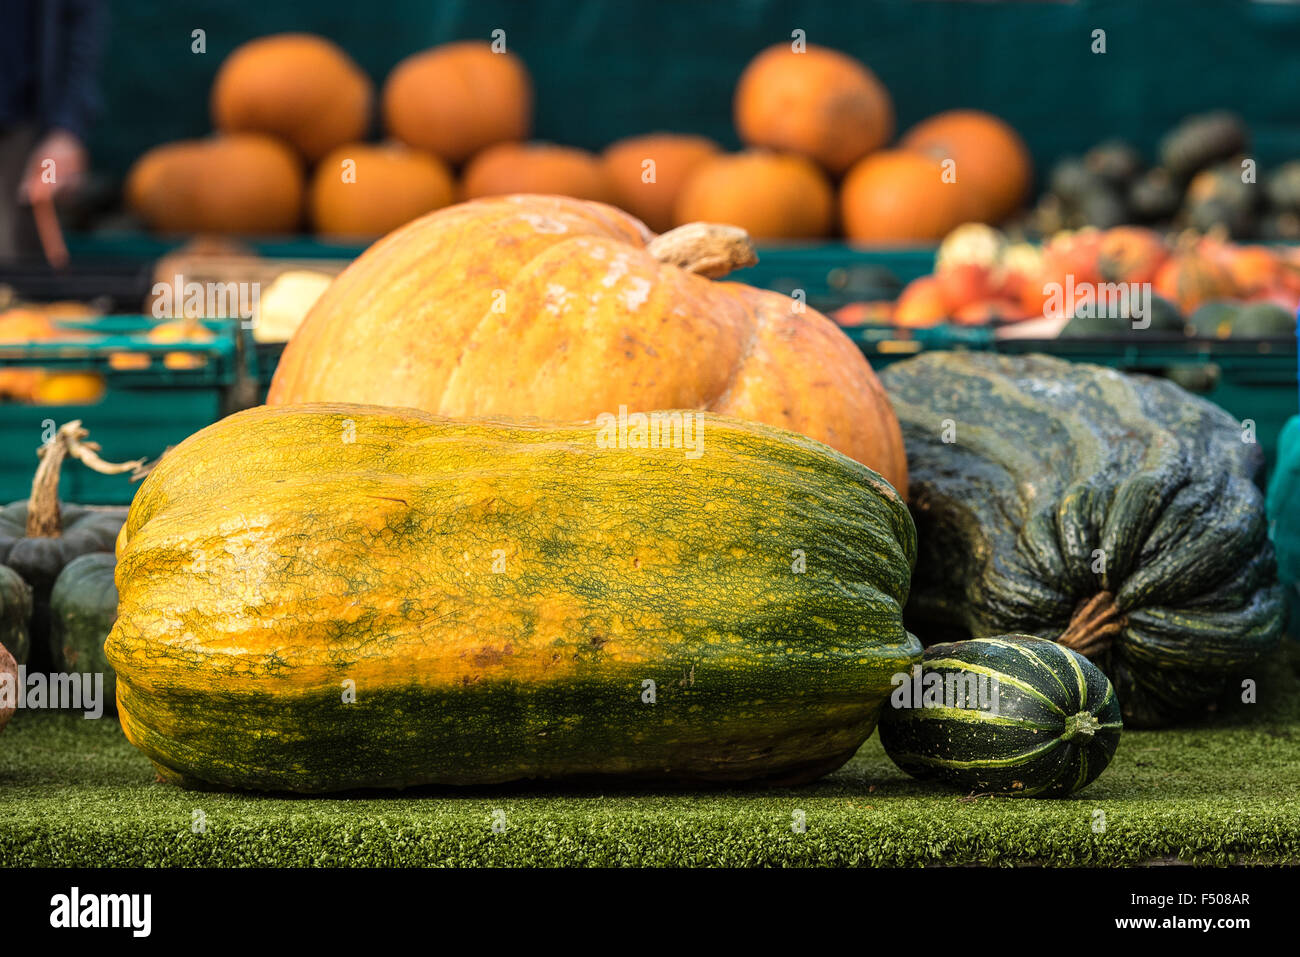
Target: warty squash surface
500, 597
1115, 514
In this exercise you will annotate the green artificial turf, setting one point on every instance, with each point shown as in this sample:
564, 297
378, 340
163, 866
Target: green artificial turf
1225, 790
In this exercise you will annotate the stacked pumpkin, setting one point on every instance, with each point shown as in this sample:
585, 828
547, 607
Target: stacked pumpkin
813, 117
1200, 284
292, 112
1204, 178
40, 323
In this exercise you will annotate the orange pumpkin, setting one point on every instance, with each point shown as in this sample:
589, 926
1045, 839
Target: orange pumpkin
458, 99
991, 162
21, 325
38, 323
769, 195
1188, 279
895, 196
366, 190
986, 312
1130, 254
296, 86
182, 330
965, 283
536, 168
920, 304
1254, 269
1018, 275
1070, 258
819, 103
245, 183
562, 309
863, 313
68, 388
647, 173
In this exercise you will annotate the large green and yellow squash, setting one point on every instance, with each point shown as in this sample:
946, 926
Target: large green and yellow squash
1009, 715
325, 597
1115, 514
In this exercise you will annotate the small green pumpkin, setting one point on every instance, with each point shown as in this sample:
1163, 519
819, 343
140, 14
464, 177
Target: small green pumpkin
1012, 715
1116, 514
83, 607
1213, 320
1202, 140
1116, 319
1262, 320
15, 614
40, 536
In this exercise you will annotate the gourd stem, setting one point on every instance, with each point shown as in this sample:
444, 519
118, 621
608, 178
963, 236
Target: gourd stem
43, 517
1096, 623
1081, 727
706, 249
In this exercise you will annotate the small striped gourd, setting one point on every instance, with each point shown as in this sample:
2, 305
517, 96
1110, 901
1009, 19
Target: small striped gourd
1010, 715
326, 597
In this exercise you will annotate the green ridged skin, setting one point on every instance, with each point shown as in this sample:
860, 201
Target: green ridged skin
39, 561
1048, 730
83, 607
15, 614
1068, 481
284, 552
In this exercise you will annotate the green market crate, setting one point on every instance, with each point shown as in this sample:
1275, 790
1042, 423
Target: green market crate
142, 412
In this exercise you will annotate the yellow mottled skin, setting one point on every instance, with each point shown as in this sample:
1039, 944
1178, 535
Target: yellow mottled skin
283, 551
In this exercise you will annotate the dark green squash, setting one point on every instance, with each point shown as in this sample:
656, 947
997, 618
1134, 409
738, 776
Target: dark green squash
83, 607
1213, 320
1282, 187
1154, 196
1115, 161
1044, 721
1116, 514
15, 614
1115, 318
1226, 319
1202, 140
1262, 320
40, 536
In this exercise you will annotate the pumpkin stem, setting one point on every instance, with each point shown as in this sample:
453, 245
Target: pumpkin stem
43, 517
1080, 727
706, 249
1096, 623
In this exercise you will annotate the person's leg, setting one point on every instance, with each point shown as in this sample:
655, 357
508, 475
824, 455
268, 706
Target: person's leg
16, 144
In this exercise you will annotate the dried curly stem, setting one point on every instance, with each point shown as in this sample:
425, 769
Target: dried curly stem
1096, 623
707, 249
43, 518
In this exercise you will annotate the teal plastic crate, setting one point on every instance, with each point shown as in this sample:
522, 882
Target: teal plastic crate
142, 412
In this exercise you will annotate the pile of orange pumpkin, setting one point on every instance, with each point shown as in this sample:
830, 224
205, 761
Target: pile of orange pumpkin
981, 277
293, 112
39, 323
